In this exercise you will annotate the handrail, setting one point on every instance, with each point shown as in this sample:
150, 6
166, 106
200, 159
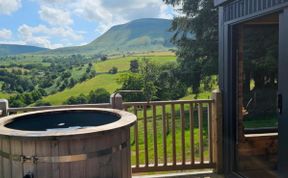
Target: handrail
169, 102
164, 137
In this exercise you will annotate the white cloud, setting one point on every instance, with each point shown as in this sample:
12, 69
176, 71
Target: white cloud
167, 12
9, 6
64, 32
93, 10
110, 12
5, 34
56, 1
41, 35
38, 41
42, 41
55, 16
58, 14
12, 42
105, 13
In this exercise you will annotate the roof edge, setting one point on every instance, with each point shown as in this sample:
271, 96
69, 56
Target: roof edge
219, 2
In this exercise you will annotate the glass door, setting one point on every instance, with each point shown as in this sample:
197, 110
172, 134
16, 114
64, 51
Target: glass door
257, 85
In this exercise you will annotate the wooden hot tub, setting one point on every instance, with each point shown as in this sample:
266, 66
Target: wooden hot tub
66, 143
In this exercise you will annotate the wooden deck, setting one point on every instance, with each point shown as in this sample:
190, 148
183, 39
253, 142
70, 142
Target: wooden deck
195, 174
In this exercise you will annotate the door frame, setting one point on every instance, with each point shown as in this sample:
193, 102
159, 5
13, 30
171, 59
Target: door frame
227, 83
283, 91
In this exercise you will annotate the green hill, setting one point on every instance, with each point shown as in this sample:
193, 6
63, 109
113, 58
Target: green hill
140, 35
13, 49
104, 80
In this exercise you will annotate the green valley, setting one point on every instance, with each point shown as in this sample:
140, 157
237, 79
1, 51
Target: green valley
103, 79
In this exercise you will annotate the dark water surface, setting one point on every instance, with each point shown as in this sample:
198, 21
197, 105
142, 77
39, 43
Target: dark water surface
62, 120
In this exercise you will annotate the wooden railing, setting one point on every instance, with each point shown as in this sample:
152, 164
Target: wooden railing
168, 135
174, 135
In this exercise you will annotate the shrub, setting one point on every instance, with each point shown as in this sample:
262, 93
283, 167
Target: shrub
113, 70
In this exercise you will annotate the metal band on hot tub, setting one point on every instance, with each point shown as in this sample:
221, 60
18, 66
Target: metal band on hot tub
63, 159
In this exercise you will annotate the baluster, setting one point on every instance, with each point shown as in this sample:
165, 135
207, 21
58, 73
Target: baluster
155, 136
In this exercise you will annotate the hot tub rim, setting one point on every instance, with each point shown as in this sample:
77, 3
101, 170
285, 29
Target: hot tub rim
126, 120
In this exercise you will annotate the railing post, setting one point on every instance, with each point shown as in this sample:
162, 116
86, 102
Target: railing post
116, 101
217, 136
3, 107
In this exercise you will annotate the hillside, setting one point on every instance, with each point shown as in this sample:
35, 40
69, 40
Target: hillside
140, 35
13, 49
105, 80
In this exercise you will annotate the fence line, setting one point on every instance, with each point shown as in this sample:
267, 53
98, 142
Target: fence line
168, 135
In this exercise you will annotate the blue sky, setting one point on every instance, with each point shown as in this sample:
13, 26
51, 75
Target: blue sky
60, 23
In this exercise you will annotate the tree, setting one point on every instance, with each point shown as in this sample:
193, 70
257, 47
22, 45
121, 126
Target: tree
16, 103
42, 92
149, 70
42, 103
62, 87
88, 69
72, 82
104, 58
260, 56
131, 81
168, 84
71, 100
93, 73
66, 74
36, 95
81, 99
100, 95
196, 36
134, 66
28, 99
113, 70
84, 77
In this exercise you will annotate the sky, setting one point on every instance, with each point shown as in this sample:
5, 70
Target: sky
60, 23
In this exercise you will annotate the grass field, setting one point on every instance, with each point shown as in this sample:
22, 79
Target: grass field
178, 131
107, 81
5, 95
156, 53
123, 63
26, 59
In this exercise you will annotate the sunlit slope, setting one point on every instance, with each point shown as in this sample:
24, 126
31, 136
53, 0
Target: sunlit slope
140, 35
104, 80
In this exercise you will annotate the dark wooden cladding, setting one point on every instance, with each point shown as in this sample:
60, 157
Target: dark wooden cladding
218, 2
240, 8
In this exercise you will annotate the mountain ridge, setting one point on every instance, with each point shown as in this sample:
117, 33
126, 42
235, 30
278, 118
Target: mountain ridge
140, 35
16, 49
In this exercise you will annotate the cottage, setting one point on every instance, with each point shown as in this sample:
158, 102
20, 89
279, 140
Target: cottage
253, 61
